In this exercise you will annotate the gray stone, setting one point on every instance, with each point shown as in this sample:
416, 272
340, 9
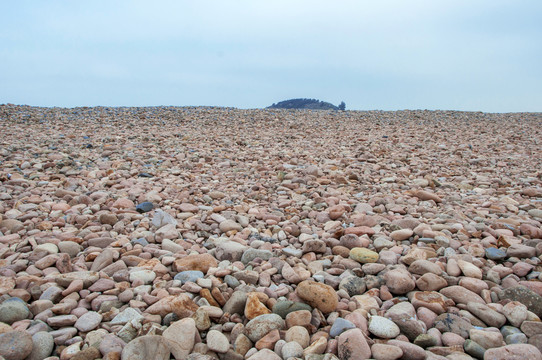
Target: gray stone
190, 275
474, 349
141, 241
449, 322
236, 303
516, 339
12, 310
162, 218
125, 316
252, 254
339, 326
231, 281
285, 307
43, 345
230, 250
88, 321
263, 324
15, 345
353, 285
509, 330
495, 254
144, 207
292, 349
425, 341
383, 327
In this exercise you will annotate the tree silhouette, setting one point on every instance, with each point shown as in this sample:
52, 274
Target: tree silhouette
342, 106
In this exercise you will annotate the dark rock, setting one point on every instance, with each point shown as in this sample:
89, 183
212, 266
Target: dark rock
283, 308
474, 349
495, 254
144, 207
449, 322
527, 297
353, 285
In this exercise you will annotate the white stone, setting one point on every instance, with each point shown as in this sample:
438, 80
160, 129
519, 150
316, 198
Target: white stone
383, 327
217, 341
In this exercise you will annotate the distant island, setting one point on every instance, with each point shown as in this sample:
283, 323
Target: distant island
311, 104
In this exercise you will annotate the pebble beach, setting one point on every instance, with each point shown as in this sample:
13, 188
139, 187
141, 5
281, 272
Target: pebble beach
206, 233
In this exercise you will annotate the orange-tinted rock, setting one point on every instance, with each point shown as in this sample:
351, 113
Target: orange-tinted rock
298, 318
206, 294
431, 300
200, 262
425, 196
268, 341
360, 230
318, 295
254, 307
181, 305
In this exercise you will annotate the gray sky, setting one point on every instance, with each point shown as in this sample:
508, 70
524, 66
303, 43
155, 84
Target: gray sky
481, 55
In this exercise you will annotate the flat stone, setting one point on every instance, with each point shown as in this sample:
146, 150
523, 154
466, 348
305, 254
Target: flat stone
229, 225
88, 278
486, 339
401, 235
460, 295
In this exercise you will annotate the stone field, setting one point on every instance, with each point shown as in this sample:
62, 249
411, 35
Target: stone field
216, 233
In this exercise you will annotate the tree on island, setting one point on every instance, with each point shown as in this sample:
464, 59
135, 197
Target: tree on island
309, 104
342, 106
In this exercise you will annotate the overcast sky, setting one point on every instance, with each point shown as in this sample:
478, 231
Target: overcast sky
480, 55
